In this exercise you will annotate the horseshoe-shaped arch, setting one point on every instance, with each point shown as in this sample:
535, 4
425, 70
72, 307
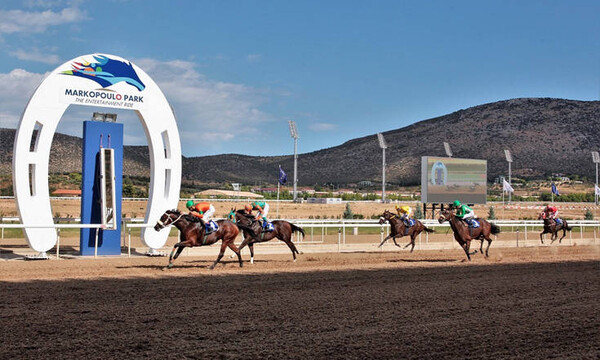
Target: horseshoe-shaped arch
98, 80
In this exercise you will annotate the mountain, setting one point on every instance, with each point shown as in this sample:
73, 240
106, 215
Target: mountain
544, 135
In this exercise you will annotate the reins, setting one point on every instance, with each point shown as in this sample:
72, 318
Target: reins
169, 224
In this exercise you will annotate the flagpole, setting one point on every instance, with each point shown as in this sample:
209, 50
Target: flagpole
278, 184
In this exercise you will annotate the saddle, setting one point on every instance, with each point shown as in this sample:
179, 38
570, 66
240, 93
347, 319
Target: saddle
268, 227
211, 227
472, 223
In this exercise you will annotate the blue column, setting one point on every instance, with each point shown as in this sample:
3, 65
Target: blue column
95, 135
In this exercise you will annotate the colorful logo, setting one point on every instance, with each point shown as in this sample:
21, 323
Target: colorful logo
106, 72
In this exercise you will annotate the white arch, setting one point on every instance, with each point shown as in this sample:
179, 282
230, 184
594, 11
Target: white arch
94, 80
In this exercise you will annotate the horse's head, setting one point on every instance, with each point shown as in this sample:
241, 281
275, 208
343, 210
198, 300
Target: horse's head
243, 217
445, 215
386, 216
167, 219
542, 216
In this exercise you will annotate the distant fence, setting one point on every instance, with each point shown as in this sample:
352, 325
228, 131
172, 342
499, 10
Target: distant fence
353, 235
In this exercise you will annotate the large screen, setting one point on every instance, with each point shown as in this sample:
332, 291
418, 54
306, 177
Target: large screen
444, 180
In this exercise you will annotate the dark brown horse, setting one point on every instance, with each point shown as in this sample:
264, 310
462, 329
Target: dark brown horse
192, 233
398, 229
282, 230
463, 234
550, 227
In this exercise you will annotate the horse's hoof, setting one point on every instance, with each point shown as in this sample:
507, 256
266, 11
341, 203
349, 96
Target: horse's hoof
211, 267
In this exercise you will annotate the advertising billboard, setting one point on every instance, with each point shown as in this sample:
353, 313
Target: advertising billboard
444, 180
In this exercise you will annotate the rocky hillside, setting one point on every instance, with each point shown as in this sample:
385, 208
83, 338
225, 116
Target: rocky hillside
545, 136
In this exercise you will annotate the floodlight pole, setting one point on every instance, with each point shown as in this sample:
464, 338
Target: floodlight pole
295, 167
509, 160
509, 181
383, 146
597, 196
294, 134
596, 159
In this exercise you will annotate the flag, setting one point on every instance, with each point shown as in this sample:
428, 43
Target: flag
597, 190
282, 176
555, 190
506, 186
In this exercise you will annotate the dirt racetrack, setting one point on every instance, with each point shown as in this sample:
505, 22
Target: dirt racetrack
533, 303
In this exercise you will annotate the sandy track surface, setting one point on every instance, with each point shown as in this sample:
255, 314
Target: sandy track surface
535, 303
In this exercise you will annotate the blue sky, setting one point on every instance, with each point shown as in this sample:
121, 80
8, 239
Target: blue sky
236, 71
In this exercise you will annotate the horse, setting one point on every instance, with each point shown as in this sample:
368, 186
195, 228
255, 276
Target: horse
551, 227
463, 234
192, 233
282, 230
398, 229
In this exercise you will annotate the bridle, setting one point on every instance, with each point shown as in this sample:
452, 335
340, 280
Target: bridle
164, 224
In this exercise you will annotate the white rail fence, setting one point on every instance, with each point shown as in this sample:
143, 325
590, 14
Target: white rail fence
348, 231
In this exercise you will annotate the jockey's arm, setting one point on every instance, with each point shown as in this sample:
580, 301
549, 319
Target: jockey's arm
197, 214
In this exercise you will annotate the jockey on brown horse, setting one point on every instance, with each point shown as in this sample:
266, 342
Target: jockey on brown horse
464, 231
398, 228
193, 233
553, 224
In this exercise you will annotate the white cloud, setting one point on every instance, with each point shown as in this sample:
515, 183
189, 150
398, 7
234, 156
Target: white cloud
207, 110
35, 55
17, 87
209, 113
254, 57
15, 21
320, 126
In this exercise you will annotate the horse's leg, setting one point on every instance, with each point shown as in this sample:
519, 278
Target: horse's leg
179, 248
384, 240
291, 245
395, 243
223, 247
412, 241
564, 234
487, 249
542, 236
251, 247
233, 248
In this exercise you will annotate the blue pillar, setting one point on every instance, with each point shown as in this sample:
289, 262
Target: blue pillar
95, 135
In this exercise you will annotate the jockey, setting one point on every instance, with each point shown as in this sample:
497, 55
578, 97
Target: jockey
203, 210
464, 212
262, 208
551, 212
404, 212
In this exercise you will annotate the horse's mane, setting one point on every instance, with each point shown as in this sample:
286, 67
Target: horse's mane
174, 211
243, 212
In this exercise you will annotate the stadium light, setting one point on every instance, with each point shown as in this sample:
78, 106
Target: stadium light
596, 160
294, 134
98, 116
447, 148
383, 146
509, 159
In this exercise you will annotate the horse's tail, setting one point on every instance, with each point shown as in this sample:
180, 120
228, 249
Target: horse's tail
246, 228
428, 229
297, 228
568, 227
495, 229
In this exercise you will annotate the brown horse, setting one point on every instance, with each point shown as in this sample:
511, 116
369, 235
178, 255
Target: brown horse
463, 234
551, 228
399, 229
282, 230
192, 233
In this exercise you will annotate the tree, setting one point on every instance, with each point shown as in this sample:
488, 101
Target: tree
492, 214
418, 211
588, 215
348, 212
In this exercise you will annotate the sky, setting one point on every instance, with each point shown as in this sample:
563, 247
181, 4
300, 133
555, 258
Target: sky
235, 72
